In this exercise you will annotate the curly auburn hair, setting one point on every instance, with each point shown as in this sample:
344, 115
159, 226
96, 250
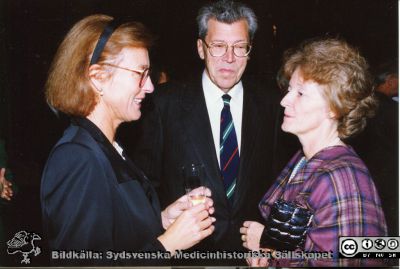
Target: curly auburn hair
345, 75
68, 87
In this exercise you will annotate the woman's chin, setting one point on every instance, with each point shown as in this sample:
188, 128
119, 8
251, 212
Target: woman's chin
133, 117
136, 117
287, 129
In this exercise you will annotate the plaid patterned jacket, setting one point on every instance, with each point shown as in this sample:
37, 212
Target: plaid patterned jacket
336, 186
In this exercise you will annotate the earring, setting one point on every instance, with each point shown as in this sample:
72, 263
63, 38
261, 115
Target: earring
101, 93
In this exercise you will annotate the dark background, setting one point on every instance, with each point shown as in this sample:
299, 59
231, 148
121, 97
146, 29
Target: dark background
31, 30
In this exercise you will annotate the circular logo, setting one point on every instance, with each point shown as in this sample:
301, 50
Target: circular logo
348, 247
367, 244
392, 244
380, 244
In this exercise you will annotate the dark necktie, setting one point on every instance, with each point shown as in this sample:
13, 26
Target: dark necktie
228, 150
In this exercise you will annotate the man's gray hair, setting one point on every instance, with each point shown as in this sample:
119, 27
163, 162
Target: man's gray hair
227, 12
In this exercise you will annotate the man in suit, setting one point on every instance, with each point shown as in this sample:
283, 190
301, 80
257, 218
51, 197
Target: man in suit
227, 125
387, 79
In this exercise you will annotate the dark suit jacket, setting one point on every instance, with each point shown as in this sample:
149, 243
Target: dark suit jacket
176, 131
94, 200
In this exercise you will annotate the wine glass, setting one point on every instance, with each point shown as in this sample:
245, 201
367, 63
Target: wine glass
192, 175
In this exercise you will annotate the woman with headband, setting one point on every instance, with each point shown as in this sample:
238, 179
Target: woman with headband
98, 207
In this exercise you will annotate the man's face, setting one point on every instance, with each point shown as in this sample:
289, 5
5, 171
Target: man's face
390, 86
224, 71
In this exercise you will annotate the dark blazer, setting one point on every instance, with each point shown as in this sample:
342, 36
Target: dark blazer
176, 131
94, 200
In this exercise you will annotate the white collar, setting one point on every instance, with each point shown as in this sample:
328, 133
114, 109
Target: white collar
213, 93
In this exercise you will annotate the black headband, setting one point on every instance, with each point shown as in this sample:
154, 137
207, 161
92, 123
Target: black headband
105, 35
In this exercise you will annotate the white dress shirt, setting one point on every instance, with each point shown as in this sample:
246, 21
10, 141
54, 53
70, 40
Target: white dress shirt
214, 103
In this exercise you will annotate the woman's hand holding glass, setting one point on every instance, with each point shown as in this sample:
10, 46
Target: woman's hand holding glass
187, 224
174, 210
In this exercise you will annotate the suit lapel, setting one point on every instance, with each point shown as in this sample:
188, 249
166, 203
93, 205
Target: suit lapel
197, 126
250, 133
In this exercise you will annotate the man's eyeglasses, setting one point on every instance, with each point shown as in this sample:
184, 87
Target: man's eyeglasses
218, 49
144, 74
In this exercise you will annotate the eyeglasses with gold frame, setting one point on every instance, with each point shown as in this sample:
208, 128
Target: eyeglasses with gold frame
144, 74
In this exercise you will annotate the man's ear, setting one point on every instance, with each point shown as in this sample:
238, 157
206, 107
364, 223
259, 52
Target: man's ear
200, 48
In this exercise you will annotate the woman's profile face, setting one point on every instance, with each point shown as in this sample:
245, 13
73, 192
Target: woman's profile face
306, 110
123, 95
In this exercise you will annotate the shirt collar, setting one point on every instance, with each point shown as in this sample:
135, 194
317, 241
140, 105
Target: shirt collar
213, 93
